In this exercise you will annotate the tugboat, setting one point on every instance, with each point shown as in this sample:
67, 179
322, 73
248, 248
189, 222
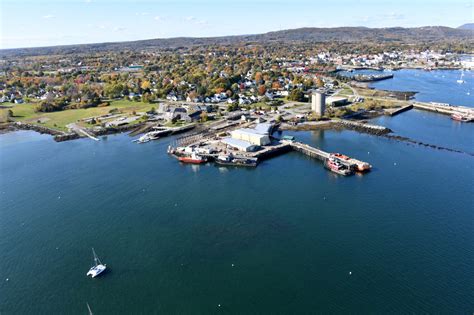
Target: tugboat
337, 167
98, 267
193, 159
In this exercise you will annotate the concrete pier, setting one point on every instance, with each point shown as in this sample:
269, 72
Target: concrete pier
396, 111
444, 108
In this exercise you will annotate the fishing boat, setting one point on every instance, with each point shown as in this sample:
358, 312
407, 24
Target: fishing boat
97, 268
229, 160
461, 117
334, 165
193, 159
357, 165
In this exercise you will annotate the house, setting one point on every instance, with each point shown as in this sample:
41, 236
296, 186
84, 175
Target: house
19, 101
174, 113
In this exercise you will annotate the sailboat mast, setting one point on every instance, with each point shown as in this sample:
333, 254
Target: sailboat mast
96, 259
89, 308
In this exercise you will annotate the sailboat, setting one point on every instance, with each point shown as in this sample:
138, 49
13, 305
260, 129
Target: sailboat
461, 81
98, 267
89, 308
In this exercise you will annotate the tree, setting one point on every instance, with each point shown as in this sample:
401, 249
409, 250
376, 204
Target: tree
296, 95
204, 117
261, 90
319, 83
113, 90
146, 85
258, 77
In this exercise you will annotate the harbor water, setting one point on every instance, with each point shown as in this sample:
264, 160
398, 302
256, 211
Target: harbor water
286, 237
432, 86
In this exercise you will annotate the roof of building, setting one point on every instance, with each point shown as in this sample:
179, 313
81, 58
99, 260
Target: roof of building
251, 132
236, 143
263, 128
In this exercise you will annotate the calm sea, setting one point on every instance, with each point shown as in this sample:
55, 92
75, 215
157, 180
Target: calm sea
286, 237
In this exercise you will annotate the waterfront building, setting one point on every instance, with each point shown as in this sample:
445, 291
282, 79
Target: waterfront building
250, 135
240, 145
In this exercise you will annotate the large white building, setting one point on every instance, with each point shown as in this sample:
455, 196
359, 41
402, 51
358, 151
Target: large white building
252, 136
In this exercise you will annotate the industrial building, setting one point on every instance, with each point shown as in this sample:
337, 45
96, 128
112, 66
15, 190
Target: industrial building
240, 145
318, 102
337, 101
251, 135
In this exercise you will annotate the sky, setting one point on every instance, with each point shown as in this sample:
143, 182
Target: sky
34, 23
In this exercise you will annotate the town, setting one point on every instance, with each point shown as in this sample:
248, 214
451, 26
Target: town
214, 94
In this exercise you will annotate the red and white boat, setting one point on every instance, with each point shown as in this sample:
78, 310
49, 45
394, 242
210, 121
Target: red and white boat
337, 167
462, 117
193, 159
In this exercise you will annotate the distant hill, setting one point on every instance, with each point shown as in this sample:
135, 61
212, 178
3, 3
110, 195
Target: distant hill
401, 35
467, 26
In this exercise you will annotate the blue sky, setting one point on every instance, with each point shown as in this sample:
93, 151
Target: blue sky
31, 23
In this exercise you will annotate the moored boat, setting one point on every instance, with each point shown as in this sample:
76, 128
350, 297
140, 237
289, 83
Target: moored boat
337, 167
193, 159
229, 160
462, 117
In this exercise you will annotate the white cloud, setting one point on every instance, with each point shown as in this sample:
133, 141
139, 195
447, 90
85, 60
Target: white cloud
87, 1
119, 29
158, 18
49, 16
393, 16
190, 18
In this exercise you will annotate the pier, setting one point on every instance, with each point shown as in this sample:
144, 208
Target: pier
445, 109
396, 111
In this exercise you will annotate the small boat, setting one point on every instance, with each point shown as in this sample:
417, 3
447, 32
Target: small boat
358, 166
97, 268
461, 117
89, 308
337, 167
229, 160
193, 159
461, 80
149, 136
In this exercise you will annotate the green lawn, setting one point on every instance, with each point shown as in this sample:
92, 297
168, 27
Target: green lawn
59, 120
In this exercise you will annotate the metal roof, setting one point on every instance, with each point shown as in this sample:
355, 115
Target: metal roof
236, 143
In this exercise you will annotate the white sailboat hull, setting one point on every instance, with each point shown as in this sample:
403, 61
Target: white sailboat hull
96, 270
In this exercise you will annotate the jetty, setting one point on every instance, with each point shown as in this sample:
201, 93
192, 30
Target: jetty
365, 127
445, 109
399, 110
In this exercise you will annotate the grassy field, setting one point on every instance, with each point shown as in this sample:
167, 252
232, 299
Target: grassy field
59, 120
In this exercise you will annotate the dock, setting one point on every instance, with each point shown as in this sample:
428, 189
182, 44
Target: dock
396, 111
445, 109
284, 146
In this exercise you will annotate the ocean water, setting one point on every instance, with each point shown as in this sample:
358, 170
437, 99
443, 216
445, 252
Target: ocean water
432, 86
286, 237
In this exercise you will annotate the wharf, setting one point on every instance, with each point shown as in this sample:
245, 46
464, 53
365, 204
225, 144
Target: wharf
445, 109
396, 111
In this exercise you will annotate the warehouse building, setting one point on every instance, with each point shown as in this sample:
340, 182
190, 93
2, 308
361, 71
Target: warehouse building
252, 136
240, 145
